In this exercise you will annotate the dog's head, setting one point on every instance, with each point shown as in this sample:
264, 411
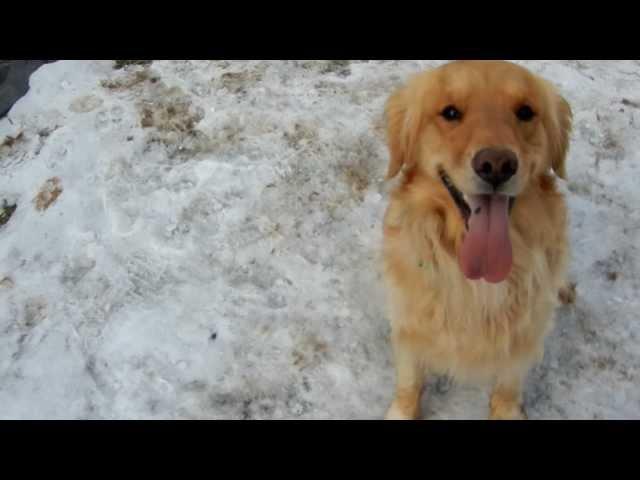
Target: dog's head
485, 129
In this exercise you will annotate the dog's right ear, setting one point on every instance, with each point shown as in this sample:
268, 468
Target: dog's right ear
401, 132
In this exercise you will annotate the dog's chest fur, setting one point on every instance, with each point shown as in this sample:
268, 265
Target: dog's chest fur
470, 328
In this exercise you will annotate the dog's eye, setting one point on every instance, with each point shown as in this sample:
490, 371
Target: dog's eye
525, 113
451, 113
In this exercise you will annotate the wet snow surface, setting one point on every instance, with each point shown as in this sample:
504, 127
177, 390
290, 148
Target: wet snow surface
200, 240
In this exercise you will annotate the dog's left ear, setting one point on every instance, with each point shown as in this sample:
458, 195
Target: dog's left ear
560, 132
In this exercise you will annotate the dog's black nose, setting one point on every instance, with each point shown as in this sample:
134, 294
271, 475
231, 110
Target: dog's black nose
495, 166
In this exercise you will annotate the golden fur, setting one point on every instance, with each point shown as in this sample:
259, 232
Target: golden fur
442, 322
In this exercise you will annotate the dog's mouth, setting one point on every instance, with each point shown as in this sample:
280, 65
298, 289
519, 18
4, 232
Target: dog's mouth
457, 196
486, 247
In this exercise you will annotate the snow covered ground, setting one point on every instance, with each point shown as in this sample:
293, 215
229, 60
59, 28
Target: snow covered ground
199, 240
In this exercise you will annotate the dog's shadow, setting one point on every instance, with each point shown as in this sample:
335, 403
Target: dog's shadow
445, 399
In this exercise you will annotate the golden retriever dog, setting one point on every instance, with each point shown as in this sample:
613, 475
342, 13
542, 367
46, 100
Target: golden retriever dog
475, 234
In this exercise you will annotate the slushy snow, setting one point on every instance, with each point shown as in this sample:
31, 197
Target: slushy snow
200, 240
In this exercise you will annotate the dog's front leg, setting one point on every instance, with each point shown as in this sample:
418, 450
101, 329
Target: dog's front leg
409, 381
506, 398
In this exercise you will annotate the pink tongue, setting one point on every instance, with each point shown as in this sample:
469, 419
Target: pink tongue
486, 248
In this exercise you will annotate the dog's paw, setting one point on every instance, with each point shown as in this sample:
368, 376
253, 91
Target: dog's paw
396, 412
567, 294
507, 411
